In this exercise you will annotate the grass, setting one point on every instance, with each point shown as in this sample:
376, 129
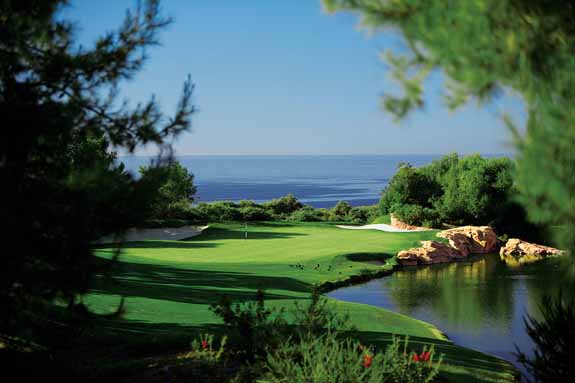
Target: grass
169, 285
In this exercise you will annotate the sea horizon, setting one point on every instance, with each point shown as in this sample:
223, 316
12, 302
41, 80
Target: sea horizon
316, 180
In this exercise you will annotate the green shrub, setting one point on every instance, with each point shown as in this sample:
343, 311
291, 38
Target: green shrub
257, 327
174, 187
327, 358
409, 186
221, 211
362, 214
469, 190
283, 206
308, 214
339, 212
416, 215
255, 213
317, 317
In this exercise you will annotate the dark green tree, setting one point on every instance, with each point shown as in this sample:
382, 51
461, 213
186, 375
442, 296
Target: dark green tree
284, 206
61, 188
484, 47
175, 188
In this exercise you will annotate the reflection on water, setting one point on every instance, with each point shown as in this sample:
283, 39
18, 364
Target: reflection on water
479, 303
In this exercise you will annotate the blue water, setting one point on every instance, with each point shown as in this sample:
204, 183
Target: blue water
319, 181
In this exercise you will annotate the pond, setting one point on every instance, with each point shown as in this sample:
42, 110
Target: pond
479, 303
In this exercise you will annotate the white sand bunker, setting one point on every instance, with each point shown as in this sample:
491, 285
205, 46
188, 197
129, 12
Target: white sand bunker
381, 227
164, 233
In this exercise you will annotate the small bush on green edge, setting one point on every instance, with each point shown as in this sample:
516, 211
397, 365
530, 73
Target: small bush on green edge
328, 358
308, 214
258, 328
283, 206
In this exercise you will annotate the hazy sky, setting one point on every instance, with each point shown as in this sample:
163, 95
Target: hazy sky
284, 77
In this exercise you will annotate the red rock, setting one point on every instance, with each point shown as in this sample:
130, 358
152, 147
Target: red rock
430, 252
471, 239
516, 252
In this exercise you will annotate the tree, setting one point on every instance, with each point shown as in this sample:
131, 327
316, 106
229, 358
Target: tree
408, 186
483, 47
60, 117
284, 206
340, 211
175, 187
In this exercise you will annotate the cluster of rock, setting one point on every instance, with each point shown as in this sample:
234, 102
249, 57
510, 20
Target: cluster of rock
466, 240
462, 242
518, 252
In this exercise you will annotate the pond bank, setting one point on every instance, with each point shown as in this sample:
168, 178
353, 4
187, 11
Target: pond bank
479, 303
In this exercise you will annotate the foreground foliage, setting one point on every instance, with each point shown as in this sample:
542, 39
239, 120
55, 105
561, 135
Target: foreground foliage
318, 345
484, 47
60, 115
554, 337
329, 358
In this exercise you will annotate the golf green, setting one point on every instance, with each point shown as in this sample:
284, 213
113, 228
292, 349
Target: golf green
169, 285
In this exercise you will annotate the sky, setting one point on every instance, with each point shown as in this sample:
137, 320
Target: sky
286, 78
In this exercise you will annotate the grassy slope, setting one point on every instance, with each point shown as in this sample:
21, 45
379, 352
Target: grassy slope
169, 285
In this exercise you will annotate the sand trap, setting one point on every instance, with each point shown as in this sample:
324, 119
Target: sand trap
381, 227
164, 233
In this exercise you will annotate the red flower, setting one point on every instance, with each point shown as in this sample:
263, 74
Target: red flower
204, 344
415, 358
425, 355
367, 359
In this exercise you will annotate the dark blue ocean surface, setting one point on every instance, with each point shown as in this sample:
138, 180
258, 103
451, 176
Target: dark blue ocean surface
319, 181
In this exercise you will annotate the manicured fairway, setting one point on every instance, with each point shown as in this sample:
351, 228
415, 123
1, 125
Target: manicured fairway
169, 285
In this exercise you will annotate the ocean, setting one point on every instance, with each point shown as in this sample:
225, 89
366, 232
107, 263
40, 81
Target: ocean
319, 181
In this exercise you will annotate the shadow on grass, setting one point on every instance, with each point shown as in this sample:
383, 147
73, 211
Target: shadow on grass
218, 233
190, 286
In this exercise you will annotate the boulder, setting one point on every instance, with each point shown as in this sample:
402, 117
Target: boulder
517, 252
471, 239
430, 252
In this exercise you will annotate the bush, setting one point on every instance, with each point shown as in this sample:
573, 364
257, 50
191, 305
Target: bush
221, 211
409, 186
362, 214
284, 206
308, 214
255, 213
257, 327
417, 215
174, 187
318, 317
460, 191
327, 358
339, 212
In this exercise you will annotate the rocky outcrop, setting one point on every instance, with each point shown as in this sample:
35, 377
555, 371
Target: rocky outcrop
429, 253
518, 252
471, 239
462, 242
405, 226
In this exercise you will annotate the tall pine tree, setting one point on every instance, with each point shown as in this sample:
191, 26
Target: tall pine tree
60, 115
